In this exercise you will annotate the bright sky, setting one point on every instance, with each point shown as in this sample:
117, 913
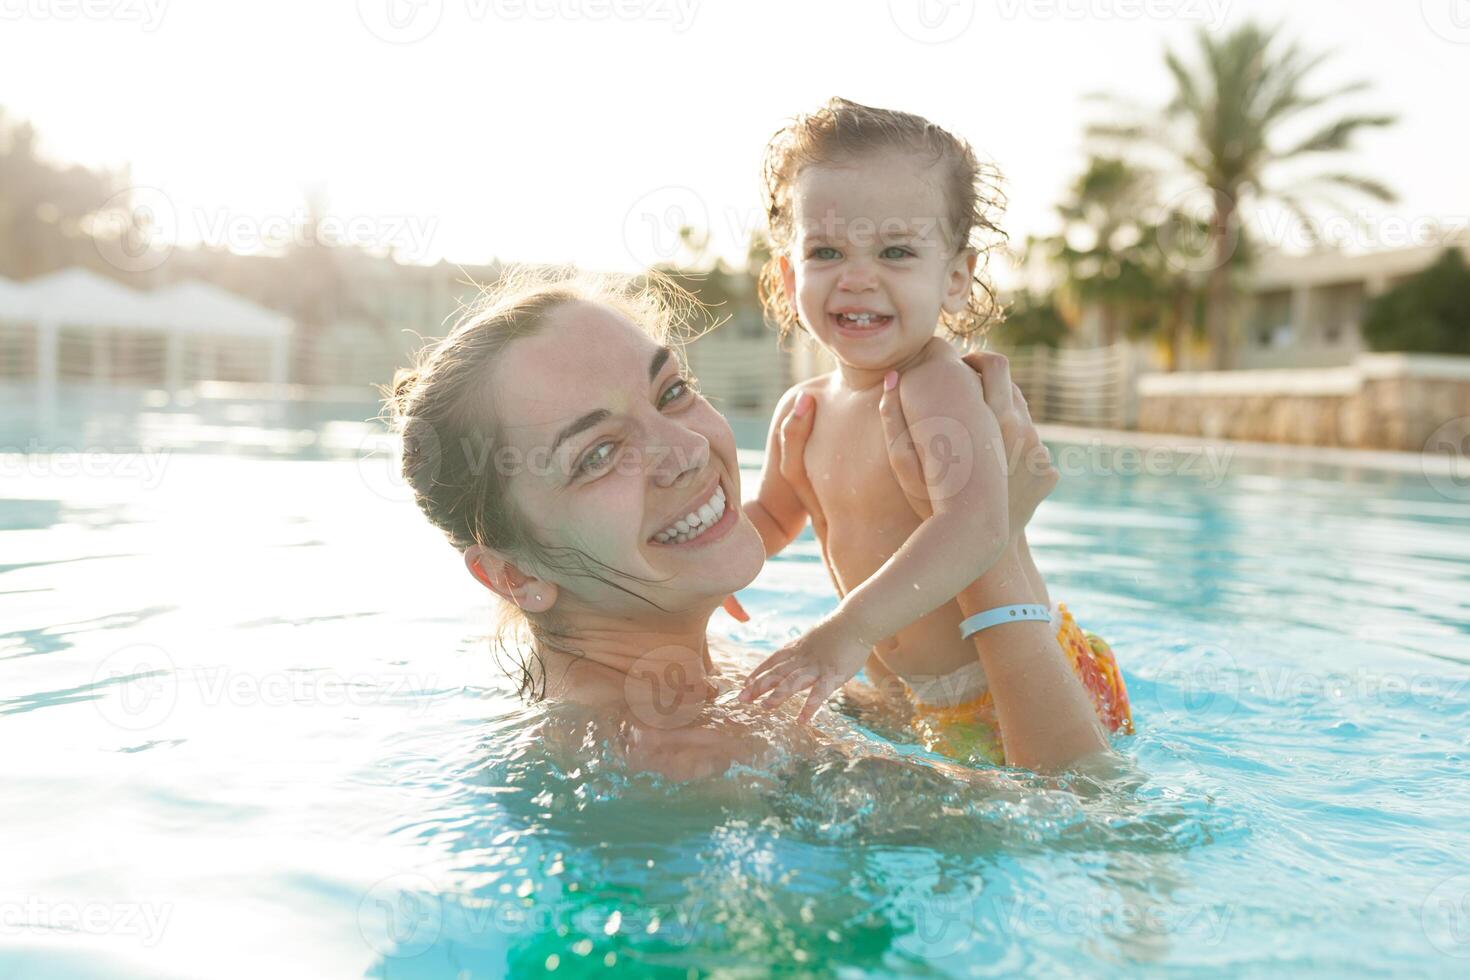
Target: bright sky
537, 130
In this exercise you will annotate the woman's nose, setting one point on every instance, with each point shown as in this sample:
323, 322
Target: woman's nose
677, 456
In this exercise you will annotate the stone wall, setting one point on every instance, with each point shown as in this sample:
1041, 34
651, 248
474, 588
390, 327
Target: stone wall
1381, 401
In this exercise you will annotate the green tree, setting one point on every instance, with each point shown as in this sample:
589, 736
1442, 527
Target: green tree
1031, 320
1100, 250
1226, 127
1113, 254
1429, 313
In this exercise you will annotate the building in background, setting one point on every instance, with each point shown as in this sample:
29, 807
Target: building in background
75, 326
1308, 310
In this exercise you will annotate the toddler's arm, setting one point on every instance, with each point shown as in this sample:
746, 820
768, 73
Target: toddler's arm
958, 441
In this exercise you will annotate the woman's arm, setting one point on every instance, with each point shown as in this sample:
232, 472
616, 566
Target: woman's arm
1046, 718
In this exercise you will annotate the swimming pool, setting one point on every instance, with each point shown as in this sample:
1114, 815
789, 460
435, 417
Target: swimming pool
250, 731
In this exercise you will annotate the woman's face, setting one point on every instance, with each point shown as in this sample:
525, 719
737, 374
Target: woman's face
608, 449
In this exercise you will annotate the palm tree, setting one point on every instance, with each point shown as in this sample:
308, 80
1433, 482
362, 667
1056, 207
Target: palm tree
1224, 128
1100, 248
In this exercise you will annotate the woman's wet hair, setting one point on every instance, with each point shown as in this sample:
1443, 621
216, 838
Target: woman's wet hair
841, 132
442, 408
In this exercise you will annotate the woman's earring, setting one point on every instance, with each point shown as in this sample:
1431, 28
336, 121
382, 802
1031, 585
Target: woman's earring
538, 598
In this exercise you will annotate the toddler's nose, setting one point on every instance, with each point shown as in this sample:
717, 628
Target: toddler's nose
857, 277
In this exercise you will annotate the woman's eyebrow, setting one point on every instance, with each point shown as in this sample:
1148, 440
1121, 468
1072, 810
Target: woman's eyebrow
660, 358
581, 425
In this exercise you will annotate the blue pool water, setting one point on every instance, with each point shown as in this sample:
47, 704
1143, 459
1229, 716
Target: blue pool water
251, 729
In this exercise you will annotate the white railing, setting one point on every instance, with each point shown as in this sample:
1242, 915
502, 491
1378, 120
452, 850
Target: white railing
1077, 386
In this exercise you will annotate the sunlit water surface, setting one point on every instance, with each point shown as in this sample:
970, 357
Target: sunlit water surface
251, 729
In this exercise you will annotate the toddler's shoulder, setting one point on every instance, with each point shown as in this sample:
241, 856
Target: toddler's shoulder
816, 386
941, 370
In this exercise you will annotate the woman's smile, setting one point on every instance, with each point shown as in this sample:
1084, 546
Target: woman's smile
709, 520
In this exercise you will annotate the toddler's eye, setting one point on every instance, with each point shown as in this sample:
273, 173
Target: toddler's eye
674, 392
597, 458
823, 253
896, 252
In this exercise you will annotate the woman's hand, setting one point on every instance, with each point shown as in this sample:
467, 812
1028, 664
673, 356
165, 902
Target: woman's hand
1030, 474
796, 429
737, 612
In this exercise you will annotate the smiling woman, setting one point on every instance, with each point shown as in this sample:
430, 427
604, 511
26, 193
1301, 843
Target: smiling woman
578, 472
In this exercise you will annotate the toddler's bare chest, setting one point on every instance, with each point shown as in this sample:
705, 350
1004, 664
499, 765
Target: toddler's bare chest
847, 463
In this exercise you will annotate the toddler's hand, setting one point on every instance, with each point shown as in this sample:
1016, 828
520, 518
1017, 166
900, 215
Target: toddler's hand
823, 659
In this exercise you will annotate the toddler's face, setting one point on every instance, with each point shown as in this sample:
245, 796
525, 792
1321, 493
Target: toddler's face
872, 263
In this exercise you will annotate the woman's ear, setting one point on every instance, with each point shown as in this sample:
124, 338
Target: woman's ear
961, 274
501, 576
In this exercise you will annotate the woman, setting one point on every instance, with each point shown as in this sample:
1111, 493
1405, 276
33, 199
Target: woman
555, 440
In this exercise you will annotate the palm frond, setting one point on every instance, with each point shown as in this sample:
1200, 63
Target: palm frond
1335, 136
1367, 186
1299, 211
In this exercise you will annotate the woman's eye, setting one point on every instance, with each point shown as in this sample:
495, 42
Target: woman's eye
674, 392
896, 252
597, 458
823, 253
